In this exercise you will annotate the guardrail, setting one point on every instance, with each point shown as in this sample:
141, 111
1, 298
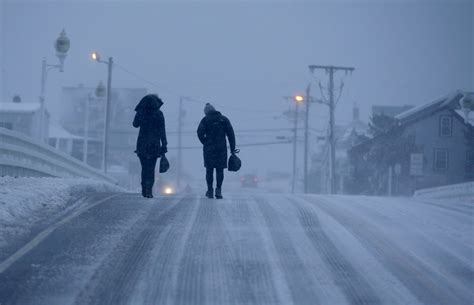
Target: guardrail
24, 157
454, 191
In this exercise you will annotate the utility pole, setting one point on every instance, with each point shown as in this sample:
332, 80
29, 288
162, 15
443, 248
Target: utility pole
332, 107
180, 146
109, 63
295, 133
86, 128
306, 136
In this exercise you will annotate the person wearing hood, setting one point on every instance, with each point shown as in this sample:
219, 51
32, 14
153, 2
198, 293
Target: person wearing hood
212, 132
151, 141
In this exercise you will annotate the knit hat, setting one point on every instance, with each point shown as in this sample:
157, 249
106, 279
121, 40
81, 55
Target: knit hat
208, 109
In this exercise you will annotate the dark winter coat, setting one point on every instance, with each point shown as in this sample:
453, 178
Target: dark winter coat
212, 132
151, 140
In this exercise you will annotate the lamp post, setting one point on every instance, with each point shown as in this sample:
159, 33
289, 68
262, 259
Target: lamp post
96, 57
61, 45
307, 99
99, 92
297, 99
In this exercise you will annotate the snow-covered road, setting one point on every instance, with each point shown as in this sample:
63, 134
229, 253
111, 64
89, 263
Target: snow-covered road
255, 249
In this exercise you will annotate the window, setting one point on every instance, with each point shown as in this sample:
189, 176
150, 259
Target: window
6, 125
440, 161
446, 126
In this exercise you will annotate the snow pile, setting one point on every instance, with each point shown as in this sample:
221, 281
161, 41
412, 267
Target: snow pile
22, 198
462, 190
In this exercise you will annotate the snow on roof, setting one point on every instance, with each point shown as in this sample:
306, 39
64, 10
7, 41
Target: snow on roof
450, 100
58, 132
470, 120
19, 107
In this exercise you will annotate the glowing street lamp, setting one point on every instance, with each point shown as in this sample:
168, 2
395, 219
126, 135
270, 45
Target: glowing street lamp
95, 56
299, 98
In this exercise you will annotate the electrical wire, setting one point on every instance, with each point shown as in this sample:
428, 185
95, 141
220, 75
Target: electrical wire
185, 97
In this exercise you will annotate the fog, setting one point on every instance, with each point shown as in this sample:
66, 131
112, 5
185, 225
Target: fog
243, 57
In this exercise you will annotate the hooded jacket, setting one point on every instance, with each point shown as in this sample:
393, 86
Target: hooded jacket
151, 141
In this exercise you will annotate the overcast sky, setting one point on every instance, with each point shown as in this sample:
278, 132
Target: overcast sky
244, 56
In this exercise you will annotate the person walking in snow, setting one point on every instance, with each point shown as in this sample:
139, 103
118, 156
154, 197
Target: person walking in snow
212, 132
151, 141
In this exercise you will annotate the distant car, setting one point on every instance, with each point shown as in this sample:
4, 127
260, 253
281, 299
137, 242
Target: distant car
249, 180
163, 187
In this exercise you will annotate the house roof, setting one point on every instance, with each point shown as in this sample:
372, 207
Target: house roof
19, 107
58, 132
450, 101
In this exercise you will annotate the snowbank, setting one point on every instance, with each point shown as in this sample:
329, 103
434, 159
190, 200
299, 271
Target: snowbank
462, 190
22, 198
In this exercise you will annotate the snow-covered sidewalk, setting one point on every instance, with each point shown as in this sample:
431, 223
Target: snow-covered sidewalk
22, 199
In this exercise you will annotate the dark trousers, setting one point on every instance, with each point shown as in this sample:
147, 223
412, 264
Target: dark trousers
148, 171
210, 178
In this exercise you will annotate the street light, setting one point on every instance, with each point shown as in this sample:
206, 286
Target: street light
299, 98
307, 99
95, 56
61, 45
100, 93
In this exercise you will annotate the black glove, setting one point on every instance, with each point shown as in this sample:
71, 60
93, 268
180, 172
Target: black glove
164, 150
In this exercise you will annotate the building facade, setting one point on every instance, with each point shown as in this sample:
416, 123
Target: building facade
440, 153
25, 118
122, 136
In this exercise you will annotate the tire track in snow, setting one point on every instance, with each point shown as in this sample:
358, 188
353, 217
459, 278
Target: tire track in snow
35, 277
211, 272
299, 282
355, 287
159, 280
423, 282
253, 273
114, 281
190, 285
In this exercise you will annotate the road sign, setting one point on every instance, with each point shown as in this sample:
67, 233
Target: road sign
416, 164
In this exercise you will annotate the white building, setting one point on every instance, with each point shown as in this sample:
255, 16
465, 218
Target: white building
24, 118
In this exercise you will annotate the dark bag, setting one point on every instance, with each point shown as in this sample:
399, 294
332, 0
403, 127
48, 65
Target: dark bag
234, 162
164, 164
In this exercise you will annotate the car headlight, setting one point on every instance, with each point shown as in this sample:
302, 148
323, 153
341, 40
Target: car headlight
168, 190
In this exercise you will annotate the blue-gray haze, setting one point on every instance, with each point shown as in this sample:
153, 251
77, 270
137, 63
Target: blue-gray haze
244, 56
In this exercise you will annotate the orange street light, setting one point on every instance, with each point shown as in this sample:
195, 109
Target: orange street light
299, 98
95, 56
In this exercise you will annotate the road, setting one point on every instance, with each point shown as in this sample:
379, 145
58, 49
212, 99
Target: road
247, 249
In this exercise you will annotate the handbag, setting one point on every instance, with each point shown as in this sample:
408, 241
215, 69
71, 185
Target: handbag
164, 164
234, 163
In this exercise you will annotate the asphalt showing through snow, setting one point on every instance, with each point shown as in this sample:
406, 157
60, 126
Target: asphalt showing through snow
255, 249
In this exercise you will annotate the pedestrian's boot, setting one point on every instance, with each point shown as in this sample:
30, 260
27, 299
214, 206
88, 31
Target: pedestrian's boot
210, 193
218, 193
143, 190
149, 192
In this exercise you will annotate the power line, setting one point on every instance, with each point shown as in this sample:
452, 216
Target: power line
186, 98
